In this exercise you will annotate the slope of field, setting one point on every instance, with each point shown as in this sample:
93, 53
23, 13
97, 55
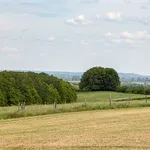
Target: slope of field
104, 96
121, 129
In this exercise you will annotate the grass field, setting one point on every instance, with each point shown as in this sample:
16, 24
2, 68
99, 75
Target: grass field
104, 96
94, 101
120, 129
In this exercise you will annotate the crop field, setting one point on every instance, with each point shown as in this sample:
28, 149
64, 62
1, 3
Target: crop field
120, 129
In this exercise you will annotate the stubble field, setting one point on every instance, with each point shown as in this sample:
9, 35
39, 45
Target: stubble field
121, 129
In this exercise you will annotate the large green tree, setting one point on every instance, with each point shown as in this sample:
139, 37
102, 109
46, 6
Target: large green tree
2, 99
100, 79
34, 88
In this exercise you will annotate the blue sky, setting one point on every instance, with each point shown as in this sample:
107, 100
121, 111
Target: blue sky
75, 35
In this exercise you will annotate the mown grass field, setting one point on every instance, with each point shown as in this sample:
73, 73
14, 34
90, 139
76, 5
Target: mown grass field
119, 129
104, 96
85, 102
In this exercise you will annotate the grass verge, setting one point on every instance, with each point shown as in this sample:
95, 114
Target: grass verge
36, 110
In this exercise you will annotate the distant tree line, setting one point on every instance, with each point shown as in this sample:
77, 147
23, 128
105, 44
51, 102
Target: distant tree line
34, 88
138, 89
134, 80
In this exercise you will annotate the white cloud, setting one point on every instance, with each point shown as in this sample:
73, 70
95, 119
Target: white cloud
52, 38
144, 20
83, 42
71, 21
113, 16
79, 20
9, 49
13, 56
67, 41
90, 1
145, 5
119, 17
94, 54
126, 37
130, 41
127, 1
21, 22
116, 41
109, 34
142, 35
42, 54
3, 26
139, 35
97, 16
10, 52
4, 22
112, 38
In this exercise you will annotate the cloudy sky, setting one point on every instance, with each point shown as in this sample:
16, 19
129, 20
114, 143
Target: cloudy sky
74, 35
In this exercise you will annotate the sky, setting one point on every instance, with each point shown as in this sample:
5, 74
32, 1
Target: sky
75, 35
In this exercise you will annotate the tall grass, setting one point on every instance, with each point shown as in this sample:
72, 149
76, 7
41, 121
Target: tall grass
36, 110
86, 101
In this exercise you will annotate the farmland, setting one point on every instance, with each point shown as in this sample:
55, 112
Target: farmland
85, 102
121, 129
104, 96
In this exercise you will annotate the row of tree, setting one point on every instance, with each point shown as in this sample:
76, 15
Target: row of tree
107, 79
140, 89
34, 88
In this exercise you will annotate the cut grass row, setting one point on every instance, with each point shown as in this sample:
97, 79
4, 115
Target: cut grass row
120, 129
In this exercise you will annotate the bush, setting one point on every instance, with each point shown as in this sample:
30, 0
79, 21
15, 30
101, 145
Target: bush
134, 89
123, 89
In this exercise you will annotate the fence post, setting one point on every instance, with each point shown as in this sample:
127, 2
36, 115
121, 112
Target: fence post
129, 100
23, 106
146, 99
55, 105
19, 106
110, 100
85, 102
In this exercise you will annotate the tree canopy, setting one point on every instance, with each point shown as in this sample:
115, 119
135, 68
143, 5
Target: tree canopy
34, 88
100, 79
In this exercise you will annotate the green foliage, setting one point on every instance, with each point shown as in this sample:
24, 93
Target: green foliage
67, 92
94, 101
49, 94
140, 89
123, 89
36, 110
2, 99
33, 88
100, 79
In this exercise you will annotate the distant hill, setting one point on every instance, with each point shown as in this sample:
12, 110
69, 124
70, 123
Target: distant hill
132, 75
76, 76
121, 75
